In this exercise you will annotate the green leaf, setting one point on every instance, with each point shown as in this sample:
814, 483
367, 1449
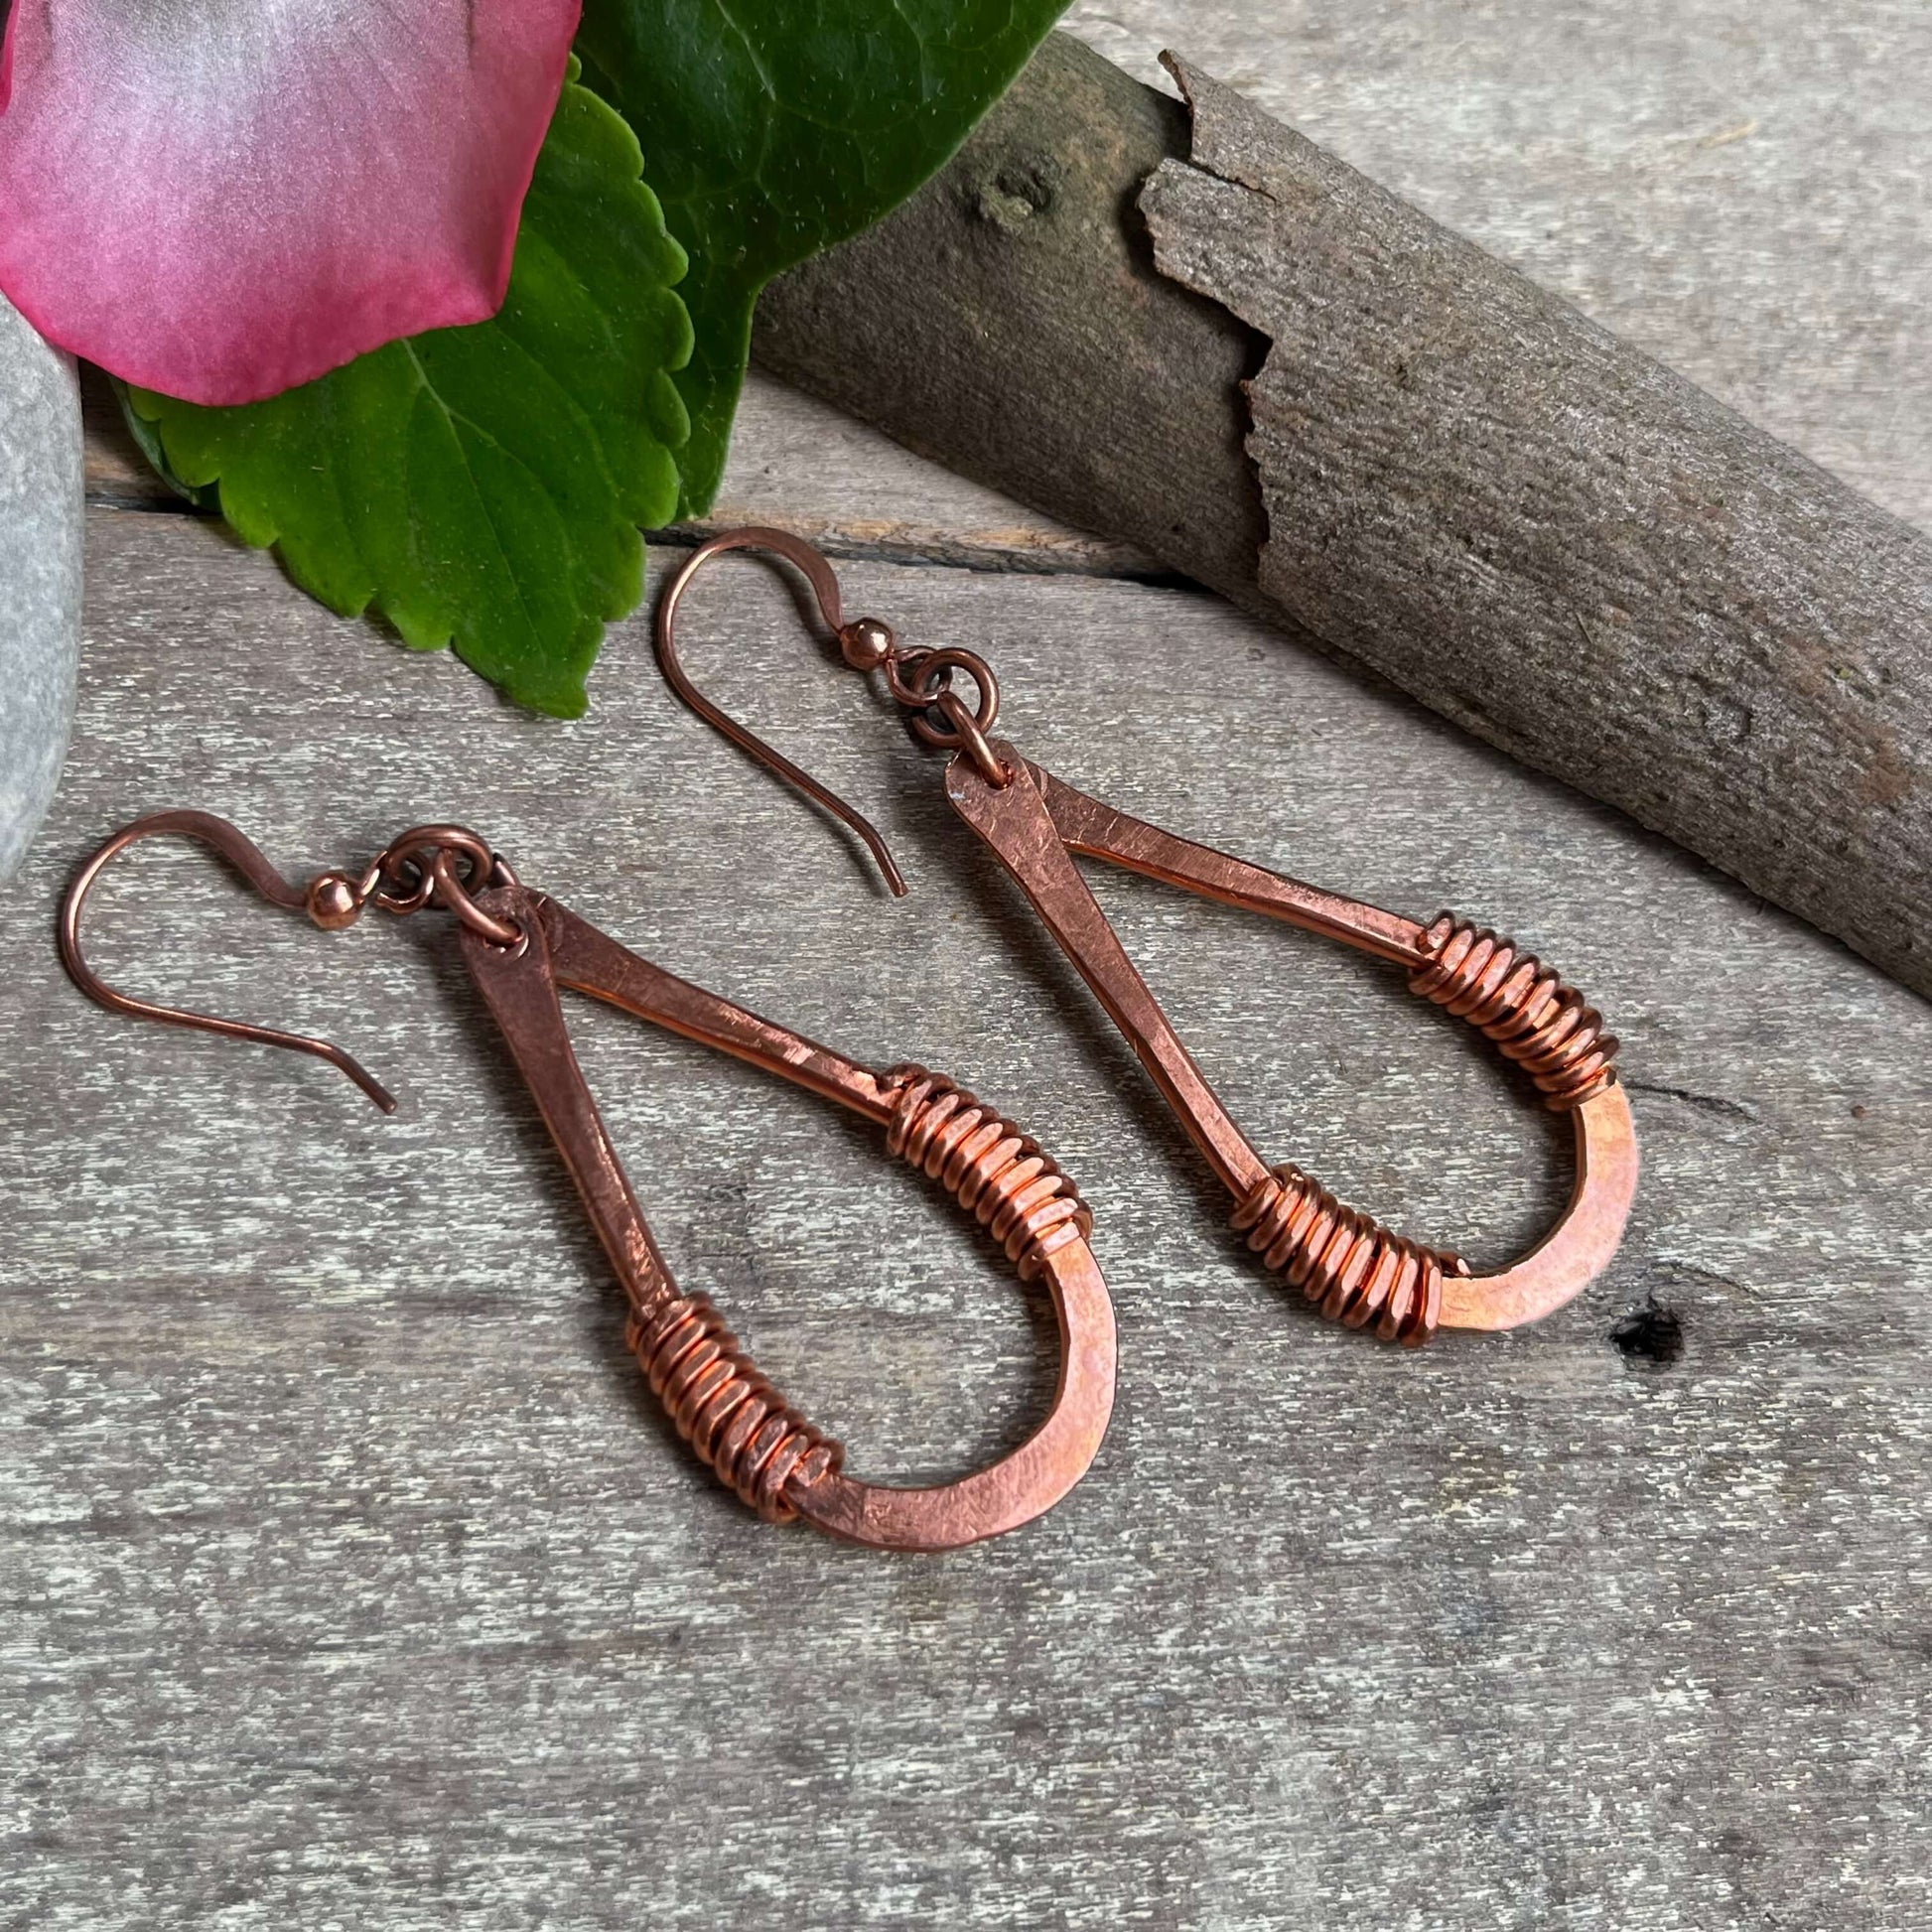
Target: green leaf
147, 436
484, 487
774, 128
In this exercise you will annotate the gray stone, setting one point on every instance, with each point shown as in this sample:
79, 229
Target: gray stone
39, 574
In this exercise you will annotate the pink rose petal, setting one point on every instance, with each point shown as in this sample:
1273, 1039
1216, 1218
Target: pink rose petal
221, 199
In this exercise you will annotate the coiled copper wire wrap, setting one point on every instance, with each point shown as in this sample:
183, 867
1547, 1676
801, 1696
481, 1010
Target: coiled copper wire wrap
1358, 1271
1017, 1192
1355, 1267
1537, 1020
722, 1405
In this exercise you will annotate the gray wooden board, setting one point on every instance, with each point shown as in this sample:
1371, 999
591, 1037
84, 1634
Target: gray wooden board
350, 1579
353, 1581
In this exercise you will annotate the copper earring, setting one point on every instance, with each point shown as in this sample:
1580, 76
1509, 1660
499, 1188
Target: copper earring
520, 947
1355, 1269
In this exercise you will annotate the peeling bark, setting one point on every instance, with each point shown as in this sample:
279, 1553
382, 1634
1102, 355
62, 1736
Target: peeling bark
1464, 484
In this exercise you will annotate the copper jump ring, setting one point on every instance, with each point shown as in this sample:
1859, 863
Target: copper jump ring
506, 933
968, 735
404, 865
928, 688
419, 868
930, 683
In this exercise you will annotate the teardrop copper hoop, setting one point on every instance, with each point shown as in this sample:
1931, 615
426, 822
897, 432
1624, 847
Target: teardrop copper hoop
1352, 1268
520, 947
725, 1408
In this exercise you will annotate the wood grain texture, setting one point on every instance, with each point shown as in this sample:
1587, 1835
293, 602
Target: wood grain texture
1737, 187
351, 1578
797, 462
1464, 484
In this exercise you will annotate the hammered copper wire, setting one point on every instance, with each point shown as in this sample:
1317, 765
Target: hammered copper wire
724, 1405
729, 1411
721, 1403
1353, 1268
1036, 822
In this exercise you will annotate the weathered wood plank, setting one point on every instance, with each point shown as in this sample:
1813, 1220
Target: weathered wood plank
797, 462
350, 1577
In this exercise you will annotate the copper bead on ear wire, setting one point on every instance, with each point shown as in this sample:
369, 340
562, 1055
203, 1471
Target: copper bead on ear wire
331, 901
867, 644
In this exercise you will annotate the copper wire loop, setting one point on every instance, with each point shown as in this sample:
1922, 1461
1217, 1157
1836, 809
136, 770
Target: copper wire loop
418, 869
1352, 1267
965, 733
399, 877
499, 932
999, 1174
919, 678
1537, 1020
724, 1405
720, 1400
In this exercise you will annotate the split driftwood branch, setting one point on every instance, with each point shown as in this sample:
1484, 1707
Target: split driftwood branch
1244, 356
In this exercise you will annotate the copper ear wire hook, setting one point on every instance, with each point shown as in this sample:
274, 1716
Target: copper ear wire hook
246, 858
826, 589
920, 680
413, 871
